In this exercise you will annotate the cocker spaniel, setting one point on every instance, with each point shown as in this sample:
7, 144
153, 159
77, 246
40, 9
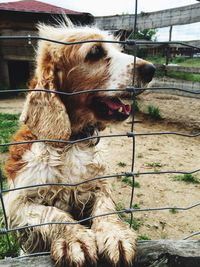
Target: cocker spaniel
71, 68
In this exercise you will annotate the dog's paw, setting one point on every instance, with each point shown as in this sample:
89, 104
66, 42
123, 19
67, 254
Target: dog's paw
116, 243
77, 249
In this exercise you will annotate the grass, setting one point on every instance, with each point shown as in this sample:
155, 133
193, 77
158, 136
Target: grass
186, 62
173, 211
8, 126
129, 181
184, 76
182, 61
5, 249
154, 112
136, 206
144, 237
187, 178
135, 107
154, 165
135, 224
121, 164
120, 206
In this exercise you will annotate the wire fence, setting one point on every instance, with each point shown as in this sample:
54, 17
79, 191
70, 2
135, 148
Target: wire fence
131, 135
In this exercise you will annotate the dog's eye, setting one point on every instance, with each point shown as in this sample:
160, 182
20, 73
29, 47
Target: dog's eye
97, 52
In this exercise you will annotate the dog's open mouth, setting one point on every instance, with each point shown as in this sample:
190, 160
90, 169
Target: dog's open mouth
110, 108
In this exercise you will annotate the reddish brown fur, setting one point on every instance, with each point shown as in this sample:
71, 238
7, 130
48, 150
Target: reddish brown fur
15, 162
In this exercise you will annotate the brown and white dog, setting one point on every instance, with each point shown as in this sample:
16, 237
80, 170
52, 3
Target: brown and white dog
71, 68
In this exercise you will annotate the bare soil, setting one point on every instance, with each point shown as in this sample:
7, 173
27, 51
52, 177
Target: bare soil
154, 153
13, 105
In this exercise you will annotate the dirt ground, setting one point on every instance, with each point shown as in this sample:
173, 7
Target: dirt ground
155, 153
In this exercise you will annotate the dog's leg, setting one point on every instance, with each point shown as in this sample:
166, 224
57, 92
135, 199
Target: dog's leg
115, 240
70, 244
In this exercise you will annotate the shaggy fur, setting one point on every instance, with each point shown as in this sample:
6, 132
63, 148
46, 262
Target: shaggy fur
70, 68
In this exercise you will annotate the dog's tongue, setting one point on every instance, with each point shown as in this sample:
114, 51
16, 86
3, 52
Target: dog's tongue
116, 104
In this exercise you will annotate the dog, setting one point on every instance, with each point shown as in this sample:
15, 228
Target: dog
52, 116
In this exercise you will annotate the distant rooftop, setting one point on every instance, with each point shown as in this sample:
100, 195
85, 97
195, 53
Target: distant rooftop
37, 7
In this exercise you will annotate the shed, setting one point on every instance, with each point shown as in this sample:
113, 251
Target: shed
19, 19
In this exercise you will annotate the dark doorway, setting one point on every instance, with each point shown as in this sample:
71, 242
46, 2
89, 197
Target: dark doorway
19, 73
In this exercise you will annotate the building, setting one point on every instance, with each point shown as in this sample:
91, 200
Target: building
20, 19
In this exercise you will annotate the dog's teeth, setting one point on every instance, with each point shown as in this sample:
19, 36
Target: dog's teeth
120, 109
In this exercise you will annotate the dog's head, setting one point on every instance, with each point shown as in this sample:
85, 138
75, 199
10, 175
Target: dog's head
79, 67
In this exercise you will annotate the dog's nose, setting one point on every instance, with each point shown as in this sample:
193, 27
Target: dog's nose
146, 72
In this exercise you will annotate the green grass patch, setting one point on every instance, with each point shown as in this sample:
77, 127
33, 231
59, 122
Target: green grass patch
120, 206
129, 181
5, 249
135, 107
173, 210
135, 223
157, 59
136, 206
144, 237
8, 126
121, 164
154, 165
187, 178
183, 76
187, 62
182, 61
154, 112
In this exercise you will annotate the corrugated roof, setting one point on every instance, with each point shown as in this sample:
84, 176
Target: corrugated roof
36, 6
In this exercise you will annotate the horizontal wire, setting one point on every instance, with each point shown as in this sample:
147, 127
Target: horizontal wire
130, 134
72, 142
126, 42
134, 90
61, 92
38, 38
129, 210
116, 175
164, 88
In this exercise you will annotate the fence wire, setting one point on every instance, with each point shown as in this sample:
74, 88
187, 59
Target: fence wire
131, 173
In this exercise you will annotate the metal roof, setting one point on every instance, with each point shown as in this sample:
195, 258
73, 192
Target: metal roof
36, 7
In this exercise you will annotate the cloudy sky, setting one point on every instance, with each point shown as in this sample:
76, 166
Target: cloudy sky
113, 7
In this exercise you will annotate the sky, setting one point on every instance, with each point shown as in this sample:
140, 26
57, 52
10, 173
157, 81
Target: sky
113, 7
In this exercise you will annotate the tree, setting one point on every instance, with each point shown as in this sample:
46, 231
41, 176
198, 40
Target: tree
147, 34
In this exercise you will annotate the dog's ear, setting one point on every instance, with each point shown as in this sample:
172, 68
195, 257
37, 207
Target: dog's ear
46, 117
44, 113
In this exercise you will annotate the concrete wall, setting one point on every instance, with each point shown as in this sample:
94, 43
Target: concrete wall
165, 253
175, 16
175, 83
